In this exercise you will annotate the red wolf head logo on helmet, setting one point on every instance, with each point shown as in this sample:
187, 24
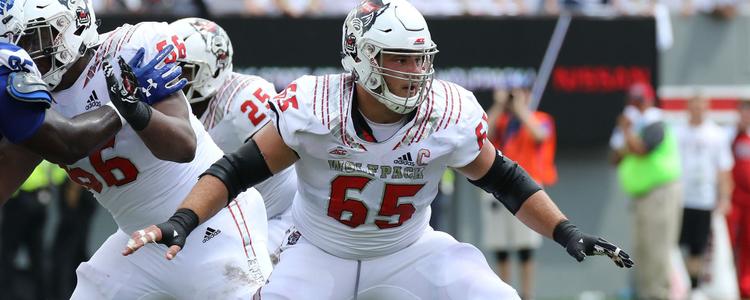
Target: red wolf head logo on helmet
368, 11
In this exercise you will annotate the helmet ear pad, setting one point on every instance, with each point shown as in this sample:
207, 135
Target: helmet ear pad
378, 27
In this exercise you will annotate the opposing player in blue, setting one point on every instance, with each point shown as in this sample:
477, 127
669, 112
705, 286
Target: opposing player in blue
29, 130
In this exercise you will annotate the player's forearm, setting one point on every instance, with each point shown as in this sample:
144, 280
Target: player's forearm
169, 138
168, 134
206, 198
539, 213
65, 141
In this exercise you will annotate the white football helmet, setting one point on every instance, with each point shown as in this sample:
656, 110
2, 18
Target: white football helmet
208, 62
60, 30
378, 27
13, 23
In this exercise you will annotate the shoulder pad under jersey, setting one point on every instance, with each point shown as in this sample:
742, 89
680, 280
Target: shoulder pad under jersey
27, 87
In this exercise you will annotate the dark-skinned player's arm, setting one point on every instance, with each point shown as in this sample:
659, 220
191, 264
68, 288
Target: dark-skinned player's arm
169, 135
64, 141
260, 157
26, 120
40, 132
160, 114
58, 140
522, 196
29, 130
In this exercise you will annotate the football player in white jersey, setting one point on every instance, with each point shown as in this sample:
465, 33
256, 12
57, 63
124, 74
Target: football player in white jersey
232, 107
29, 131
370, 146
137, 176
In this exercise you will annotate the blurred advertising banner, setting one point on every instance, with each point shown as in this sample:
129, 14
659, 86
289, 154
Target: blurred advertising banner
598, 60
723, 101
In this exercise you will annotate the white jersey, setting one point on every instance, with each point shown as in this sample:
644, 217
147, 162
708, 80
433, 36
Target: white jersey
137, 188
360, 199
705, 152
235, 113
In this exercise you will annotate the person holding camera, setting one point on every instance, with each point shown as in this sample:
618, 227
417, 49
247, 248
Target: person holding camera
528, 137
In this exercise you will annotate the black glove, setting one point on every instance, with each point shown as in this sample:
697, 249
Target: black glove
126, 97
579, 245
176, 230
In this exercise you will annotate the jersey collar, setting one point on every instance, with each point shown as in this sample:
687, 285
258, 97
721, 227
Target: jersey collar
361, 127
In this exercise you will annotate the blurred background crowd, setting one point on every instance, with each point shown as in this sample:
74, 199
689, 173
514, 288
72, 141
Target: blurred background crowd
441, 8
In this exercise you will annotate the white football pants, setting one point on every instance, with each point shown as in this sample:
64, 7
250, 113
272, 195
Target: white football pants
435, 267
223, 258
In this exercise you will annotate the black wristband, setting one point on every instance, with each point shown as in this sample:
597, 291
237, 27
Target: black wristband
176, 230
564, 232
186, 218
137, 114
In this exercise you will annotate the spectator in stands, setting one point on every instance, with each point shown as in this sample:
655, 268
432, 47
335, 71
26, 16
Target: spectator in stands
739, 215
528, 137
442, 8
157, 7
648, 164
500, 7
336, 8
706, 179
298, 8
237, 8
584, 7
259, 8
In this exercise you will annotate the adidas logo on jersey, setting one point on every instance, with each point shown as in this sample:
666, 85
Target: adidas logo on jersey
404, 160
210, 233
93, 101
